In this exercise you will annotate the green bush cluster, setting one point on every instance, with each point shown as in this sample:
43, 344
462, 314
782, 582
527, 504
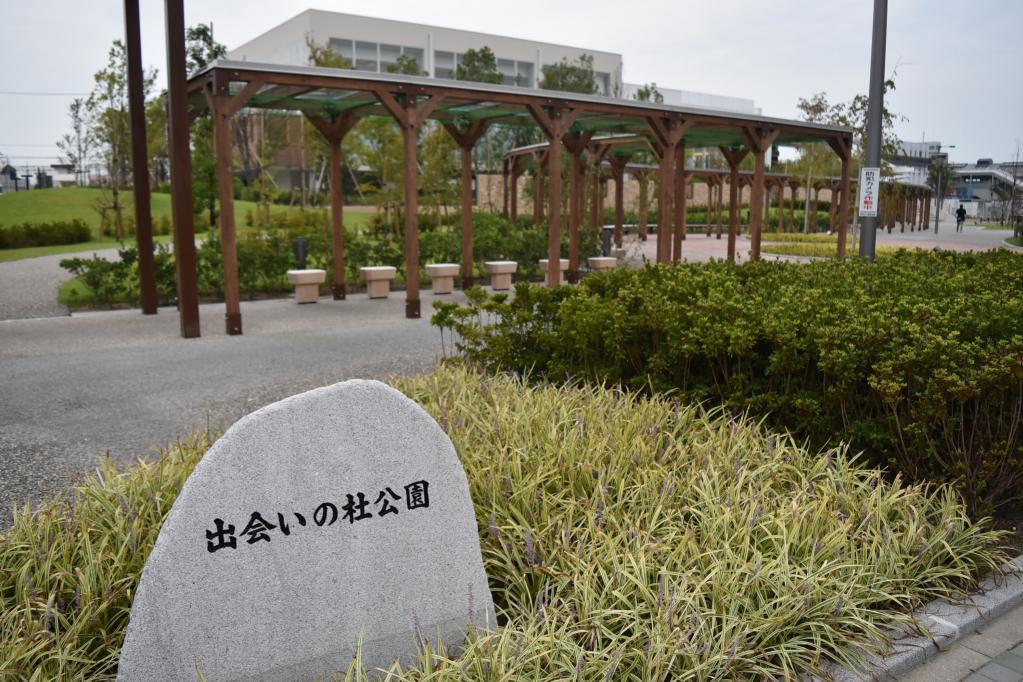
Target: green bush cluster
916, 360
265, 256
624, 538
44, 234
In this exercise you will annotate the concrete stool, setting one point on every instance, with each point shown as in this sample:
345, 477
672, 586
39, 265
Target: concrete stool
602, 263
619, 255
378, 279
443, 276
563, 265
307, 284
501, 273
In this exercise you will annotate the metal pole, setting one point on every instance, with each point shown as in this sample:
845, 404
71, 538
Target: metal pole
181, 170
868, 235
938, 192
139, 158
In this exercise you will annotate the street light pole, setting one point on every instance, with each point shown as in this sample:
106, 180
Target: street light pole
939, 192
875, 109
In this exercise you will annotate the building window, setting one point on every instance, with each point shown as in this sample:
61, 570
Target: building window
507, 69
524, 74
342, 47
389, 55
366, 56
603, 82
443, 64
415, 53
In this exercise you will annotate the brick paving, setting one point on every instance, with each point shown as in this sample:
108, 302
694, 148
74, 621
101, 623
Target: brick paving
994, 652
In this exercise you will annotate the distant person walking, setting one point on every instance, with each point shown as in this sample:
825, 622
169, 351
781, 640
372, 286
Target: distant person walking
960, 218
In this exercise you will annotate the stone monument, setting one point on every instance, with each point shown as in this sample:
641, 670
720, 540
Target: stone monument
332, 516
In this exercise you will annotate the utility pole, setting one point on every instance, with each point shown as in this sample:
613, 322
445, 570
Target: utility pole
875, 110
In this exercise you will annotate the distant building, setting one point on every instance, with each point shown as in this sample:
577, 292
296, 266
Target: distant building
986, 188
372, 44
913, 159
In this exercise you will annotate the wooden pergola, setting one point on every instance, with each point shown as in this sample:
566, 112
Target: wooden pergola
334, 100
613, 156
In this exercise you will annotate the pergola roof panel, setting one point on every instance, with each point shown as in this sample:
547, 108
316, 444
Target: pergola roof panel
329, 91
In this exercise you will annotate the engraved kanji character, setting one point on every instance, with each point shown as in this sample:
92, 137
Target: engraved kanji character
356, 511
280, 522
256, 529
320, 515
387, 507
417, 495
222, 537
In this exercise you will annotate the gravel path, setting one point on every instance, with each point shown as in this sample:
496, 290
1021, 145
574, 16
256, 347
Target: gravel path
28, 288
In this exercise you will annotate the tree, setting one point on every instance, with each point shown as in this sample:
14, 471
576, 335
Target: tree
405, 64
156, 139
479, 66
570, 77
200, 50
817, 109
940, 178
75, 146
649, 93
107, 107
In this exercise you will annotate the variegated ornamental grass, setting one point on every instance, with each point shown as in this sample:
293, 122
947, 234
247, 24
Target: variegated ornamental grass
624, 538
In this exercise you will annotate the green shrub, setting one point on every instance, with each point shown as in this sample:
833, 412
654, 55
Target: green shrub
916, 359
44, 234
623, 539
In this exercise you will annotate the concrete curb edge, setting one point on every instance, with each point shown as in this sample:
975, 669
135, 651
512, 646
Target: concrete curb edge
943, 624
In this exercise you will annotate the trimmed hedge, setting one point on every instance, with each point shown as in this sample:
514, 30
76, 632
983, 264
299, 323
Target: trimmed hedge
264, 257
44, 234
916, 360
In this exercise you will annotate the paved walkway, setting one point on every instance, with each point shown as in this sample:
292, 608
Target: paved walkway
120, 382
991, 653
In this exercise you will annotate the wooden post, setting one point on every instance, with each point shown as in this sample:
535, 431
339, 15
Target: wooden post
410, 114
843, 211
575, 143
334, 131
843, 148
618, 164
504, 188
516, 173
831, 212
466, 139
734, 157
759, 140
792, 206
225, 190
555, 122
180, 158
644, 204
665, 136
681, 200
139, 159
720, 182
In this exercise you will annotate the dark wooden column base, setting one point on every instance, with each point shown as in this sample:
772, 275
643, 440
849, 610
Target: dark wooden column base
339, 291
412, 310
467, 283
233, 324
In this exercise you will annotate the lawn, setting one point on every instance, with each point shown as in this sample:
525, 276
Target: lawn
624, 538
68, 203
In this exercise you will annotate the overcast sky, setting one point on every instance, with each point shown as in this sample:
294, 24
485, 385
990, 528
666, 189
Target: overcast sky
959, 64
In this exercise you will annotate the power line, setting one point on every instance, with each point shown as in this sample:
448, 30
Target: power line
23, 93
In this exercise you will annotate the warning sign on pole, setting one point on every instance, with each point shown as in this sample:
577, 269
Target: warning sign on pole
870, 190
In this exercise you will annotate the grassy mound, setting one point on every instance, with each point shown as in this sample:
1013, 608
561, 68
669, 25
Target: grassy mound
624, 538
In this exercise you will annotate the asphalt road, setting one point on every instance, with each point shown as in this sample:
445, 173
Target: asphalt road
123, 383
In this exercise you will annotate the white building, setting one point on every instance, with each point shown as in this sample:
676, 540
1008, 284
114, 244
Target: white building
372, 44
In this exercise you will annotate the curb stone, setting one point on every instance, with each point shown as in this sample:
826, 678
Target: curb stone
942, 624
